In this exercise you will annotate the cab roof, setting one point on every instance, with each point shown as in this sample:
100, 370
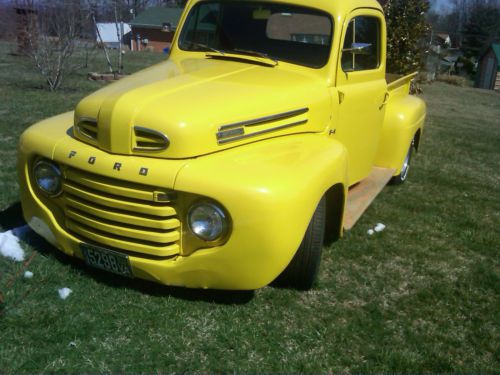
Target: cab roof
335, 7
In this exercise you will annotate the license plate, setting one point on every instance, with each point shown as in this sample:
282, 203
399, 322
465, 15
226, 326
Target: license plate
107, 260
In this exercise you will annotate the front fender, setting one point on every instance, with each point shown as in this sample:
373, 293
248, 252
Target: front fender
404, 117
271, 190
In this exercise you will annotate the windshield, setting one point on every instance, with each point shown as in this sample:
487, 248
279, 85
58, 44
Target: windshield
289, 33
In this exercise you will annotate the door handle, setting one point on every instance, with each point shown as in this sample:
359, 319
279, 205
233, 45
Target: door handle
341, 97
386, 100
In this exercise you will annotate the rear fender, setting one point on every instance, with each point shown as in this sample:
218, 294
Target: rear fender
404, 118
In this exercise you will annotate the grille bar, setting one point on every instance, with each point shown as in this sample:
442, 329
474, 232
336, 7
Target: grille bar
120, 216
123, 231
121, 243
110, 186
103, 200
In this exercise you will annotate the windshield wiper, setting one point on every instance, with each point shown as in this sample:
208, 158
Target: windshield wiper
253, 56
256, 54
204, 46
235, 52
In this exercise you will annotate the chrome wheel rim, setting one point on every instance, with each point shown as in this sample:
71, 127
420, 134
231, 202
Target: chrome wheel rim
406, 166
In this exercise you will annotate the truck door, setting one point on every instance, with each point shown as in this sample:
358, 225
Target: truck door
362, 89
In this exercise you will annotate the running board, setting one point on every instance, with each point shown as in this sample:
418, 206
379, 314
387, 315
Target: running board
361, 195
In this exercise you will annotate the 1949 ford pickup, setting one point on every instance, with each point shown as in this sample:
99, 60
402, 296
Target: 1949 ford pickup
230, 164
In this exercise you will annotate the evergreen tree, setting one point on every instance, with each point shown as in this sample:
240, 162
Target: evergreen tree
407, 28
481, 28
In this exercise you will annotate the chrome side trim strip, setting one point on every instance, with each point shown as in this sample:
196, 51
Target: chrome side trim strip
239, 138
230, 133
263, 120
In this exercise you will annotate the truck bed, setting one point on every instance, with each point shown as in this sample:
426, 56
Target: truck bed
399, 85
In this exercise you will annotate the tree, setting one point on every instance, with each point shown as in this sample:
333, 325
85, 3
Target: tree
475, 23
118, 21
53, 35
407, 28
7, 21
481, 27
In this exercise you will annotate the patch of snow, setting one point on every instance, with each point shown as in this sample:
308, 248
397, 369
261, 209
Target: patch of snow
370, 232
9, 246
379, 227
28, 275
64, 293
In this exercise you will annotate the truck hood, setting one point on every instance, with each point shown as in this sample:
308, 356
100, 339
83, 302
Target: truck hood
183, 109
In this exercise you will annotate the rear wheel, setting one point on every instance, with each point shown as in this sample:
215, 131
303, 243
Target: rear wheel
303, 269
400, 178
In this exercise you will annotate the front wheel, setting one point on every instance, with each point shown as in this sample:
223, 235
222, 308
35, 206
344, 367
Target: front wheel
400, 178
303, 269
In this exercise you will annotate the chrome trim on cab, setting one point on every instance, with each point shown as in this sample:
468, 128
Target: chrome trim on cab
263, 120
239, 138
236, 132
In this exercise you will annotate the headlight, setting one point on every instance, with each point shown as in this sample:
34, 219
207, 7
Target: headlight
48, 177
208, 222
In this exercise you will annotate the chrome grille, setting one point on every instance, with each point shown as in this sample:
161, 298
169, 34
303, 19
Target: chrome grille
119, 214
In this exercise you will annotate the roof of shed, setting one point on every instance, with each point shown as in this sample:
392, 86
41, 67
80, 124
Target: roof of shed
496, 50
155, 17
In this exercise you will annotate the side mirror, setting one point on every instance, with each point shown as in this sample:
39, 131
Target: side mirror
359, 49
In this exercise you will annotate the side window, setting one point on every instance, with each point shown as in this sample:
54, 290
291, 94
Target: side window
201, 27
361, 49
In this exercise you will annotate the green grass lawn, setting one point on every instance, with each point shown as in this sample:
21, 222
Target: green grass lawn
423, 296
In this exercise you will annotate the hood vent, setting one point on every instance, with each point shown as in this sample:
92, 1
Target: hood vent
87, 127
237, 132
149, 140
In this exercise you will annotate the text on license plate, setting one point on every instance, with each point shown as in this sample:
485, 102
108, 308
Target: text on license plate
107, 260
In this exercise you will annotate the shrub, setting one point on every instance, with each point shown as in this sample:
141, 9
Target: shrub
452, 80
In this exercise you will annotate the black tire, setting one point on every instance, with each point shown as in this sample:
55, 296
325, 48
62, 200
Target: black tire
302, 271
403, 176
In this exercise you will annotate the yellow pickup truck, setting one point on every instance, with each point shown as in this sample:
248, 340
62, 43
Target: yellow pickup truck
230, 164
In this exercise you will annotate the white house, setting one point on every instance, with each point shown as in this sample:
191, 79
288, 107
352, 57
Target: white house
109, 34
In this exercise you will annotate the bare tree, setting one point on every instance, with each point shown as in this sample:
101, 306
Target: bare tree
118, 21
119, 35
7, 21
101, 41
53, 35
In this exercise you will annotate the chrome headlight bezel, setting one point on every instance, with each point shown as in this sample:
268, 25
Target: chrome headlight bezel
220, 234
56, 174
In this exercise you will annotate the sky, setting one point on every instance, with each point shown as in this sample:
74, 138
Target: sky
437, 5
440, 5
